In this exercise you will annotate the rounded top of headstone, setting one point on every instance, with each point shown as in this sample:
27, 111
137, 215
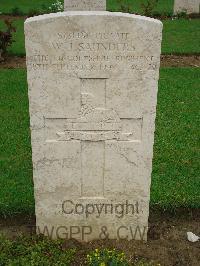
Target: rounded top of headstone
92, 13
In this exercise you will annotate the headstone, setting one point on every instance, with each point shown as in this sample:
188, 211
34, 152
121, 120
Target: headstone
93, 80
188, 6
85, 5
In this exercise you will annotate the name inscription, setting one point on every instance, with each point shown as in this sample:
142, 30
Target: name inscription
77, 51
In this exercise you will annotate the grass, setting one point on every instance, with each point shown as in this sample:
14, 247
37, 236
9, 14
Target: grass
176, 167
175, 181
164, 6
18, 47
180, 36
15, 159
24, 5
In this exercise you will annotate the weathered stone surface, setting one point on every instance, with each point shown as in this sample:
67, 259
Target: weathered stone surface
188, 6
85, 5
93, 80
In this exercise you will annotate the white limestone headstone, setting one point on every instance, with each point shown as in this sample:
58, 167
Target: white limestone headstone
188, 6
85, 5
93, 80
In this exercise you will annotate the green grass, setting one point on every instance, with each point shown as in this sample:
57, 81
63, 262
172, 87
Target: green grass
175, 180
179, 37
164, 6
176, 167
24, 5
18, 47
15, 159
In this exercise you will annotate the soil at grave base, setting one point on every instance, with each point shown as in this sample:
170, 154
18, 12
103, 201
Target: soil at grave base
11, 18
12, 62
167, 242
180, 60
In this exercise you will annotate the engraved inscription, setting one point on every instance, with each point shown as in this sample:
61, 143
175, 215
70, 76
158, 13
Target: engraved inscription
95, 122
96, 51
93, 128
